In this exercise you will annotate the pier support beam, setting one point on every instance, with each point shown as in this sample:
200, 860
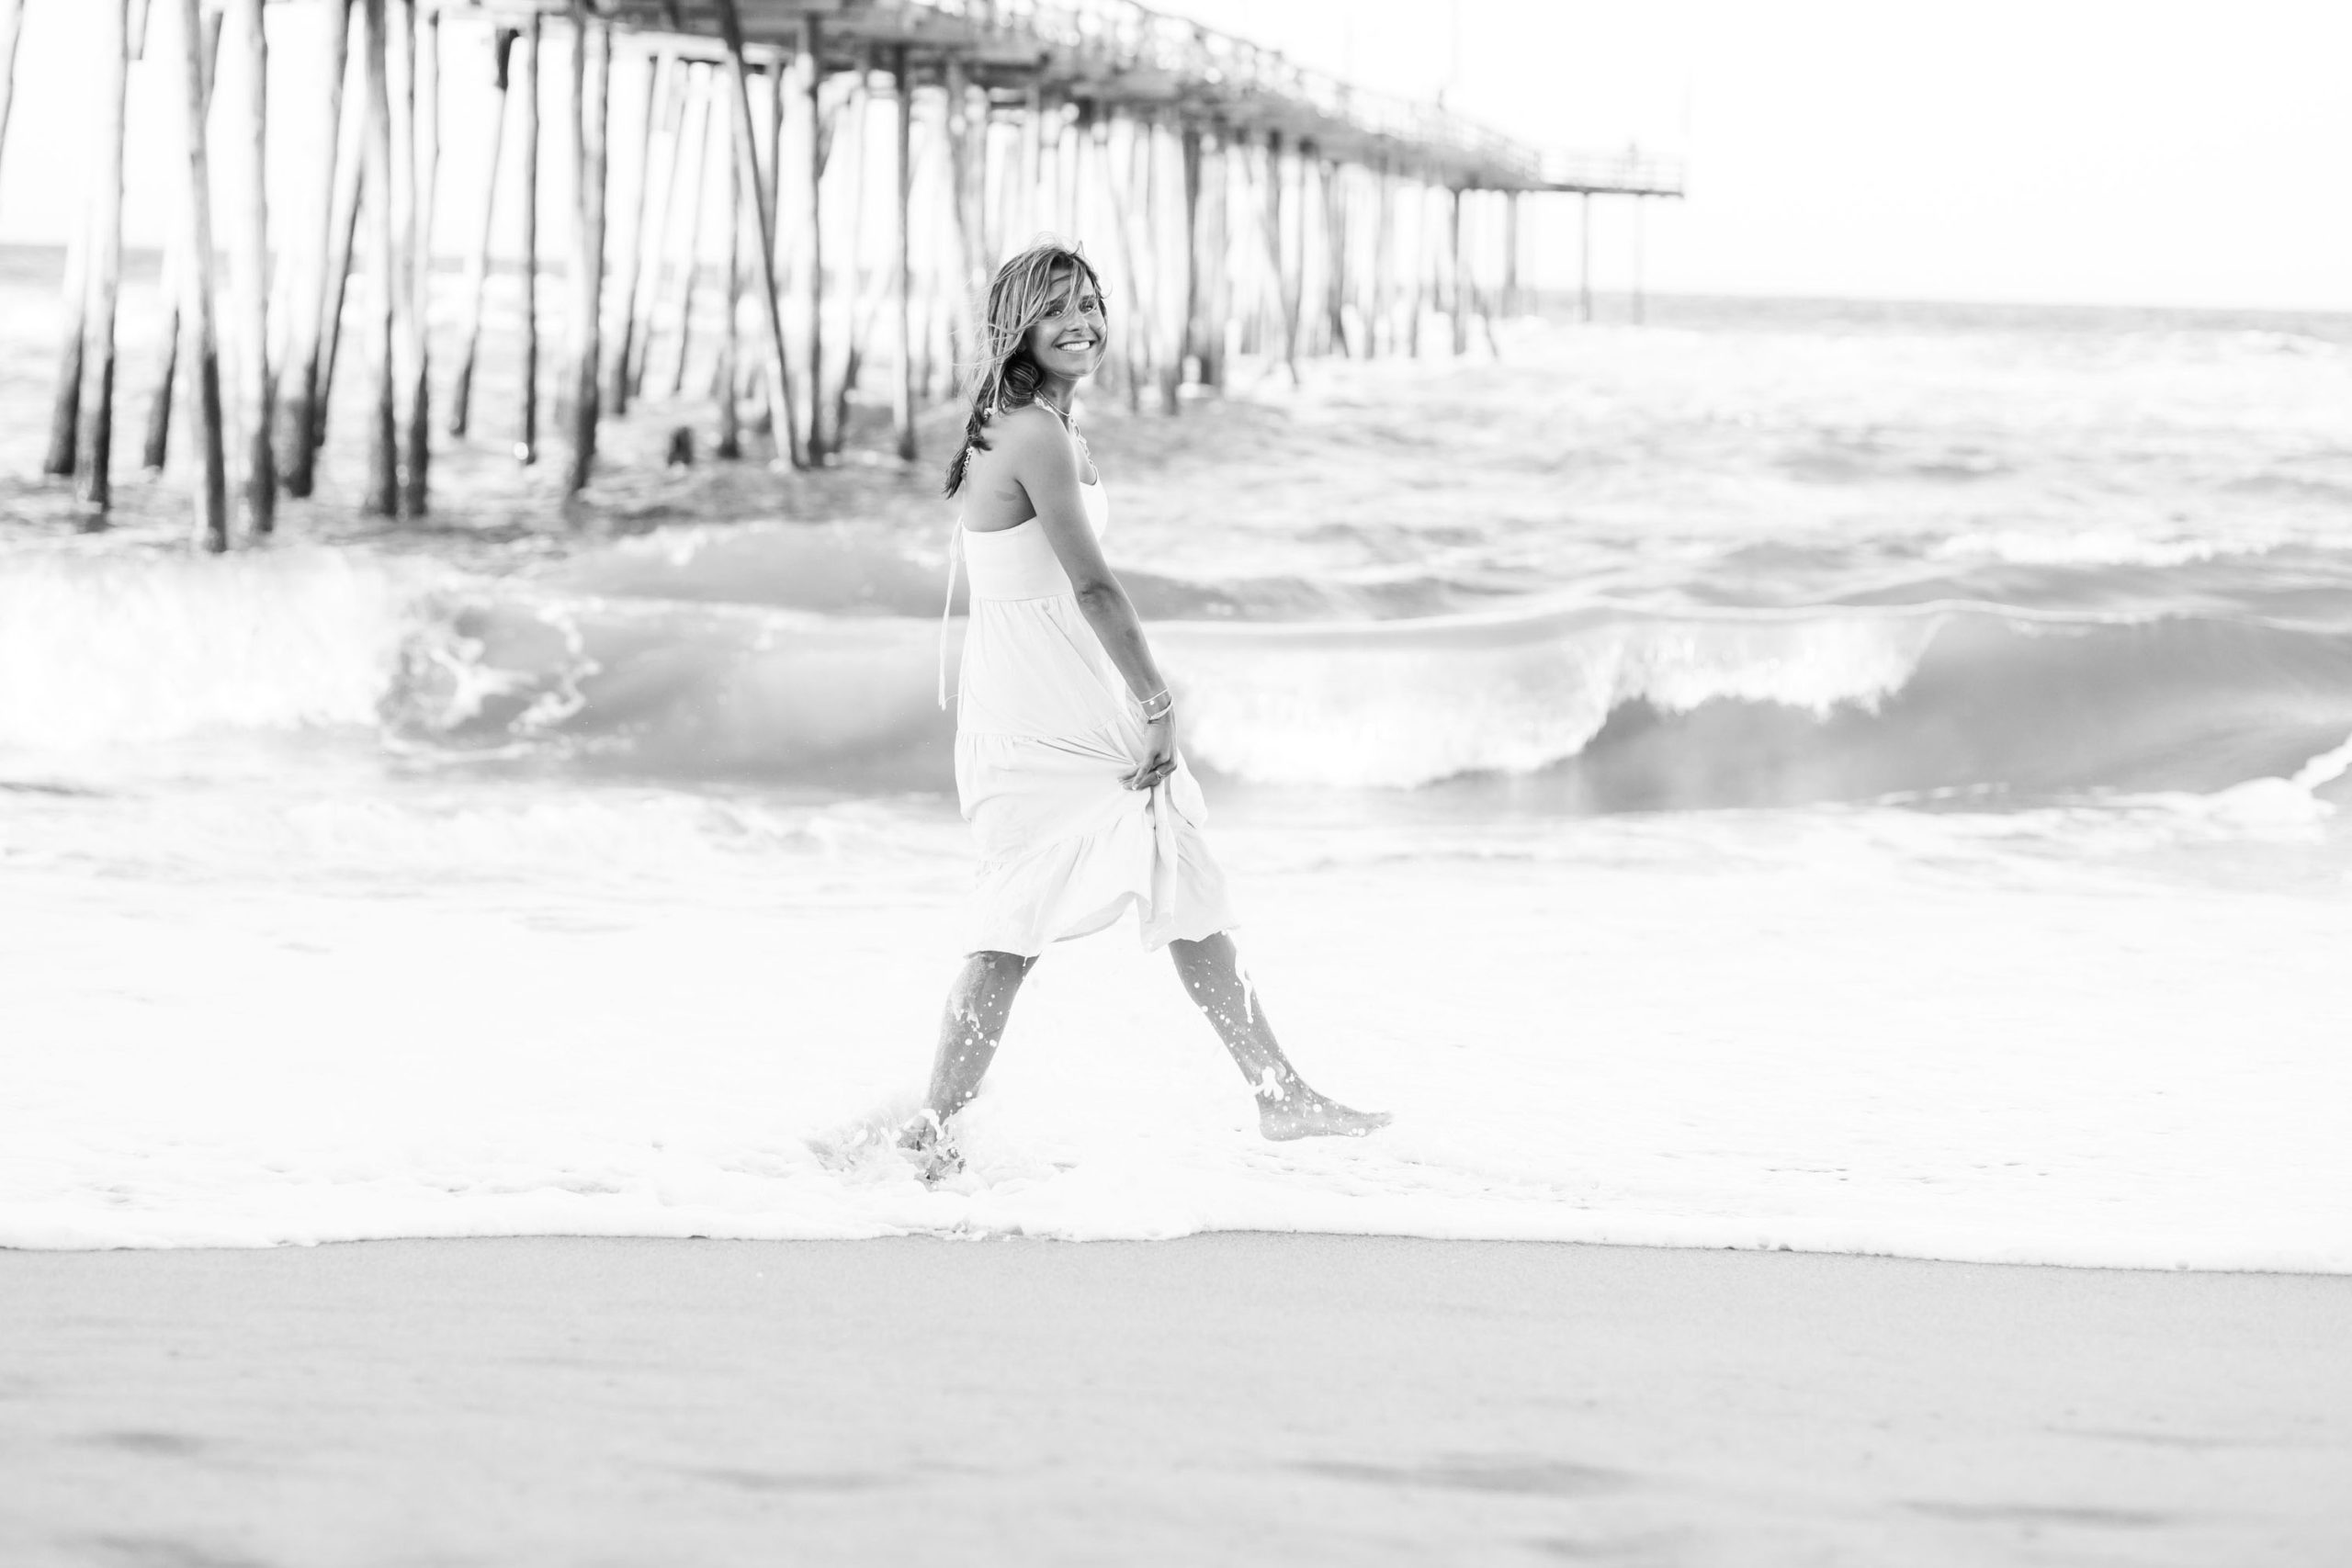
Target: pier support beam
1335, 257
169, 345
11, 26
424, 128
656, 77
1584, 257
204, 369
461, 386
808, 67
65, 408
380, 497
1459, 295
94, 452
1640, 311
250, 248
1510, 254
725, 382
1213, 292
1278, 275
526, 434
695, 127
351, 183
903, 386
307, 305
783, 417
592, 54
653, 236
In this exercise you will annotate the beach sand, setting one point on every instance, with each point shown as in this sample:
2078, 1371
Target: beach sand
1233, 1398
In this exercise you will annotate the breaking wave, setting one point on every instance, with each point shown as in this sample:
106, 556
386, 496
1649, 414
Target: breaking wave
1587, 704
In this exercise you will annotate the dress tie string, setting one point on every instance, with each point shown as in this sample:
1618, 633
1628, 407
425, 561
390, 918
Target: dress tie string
954, 557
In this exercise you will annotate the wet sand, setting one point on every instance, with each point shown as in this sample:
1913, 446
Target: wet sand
1238, 1398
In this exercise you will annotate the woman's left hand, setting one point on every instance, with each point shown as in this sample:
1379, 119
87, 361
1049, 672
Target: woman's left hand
1158, 754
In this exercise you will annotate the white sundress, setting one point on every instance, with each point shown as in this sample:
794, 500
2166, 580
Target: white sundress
1045, 731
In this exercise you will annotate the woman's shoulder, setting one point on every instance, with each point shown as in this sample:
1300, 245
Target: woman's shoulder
1029, 421
1027, 431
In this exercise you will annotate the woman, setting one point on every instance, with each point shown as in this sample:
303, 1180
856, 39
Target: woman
1065, 757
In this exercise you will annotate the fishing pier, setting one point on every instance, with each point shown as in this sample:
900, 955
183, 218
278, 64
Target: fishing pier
872, 160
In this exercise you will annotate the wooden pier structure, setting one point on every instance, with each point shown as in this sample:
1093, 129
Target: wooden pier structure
877, 159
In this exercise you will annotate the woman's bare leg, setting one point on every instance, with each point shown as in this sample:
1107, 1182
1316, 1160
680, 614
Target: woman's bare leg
1287, 1108
978, 1005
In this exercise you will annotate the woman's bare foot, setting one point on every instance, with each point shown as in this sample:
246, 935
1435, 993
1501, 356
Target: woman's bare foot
1303, 1113
926, 1142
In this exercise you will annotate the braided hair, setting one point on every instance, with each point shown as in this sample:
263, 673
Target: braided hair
1024, 291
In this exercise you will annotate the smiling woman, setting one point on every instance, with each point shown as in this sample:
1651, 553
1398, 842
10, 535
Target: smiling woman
1065, 757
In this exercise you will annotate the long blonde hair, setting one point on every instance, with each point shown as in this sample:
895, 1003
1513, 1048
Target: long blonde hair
1023, 293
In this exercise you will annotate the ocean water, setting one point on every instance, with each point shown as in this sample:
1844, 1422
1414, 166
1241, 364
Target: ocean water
1793, 774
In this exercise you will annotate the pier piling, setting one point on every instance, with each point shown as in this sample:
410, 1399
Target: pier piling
95, 446
250, 261
526, 432
307, 302
425, 127
591, 107
350, 186
204, 367
461, 385
380, 497
654, 79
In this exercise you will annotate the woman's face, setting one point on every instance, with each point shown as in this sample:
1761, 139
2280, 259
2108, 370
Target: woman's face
1069, 341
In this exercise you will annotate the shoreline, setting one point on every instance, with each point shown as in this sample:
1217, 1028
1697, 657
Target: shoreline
1237, 1397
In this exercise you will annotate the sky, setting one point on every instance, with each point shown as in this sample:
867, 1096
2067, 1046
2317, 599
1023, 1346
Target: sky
2062, 151
2075, 151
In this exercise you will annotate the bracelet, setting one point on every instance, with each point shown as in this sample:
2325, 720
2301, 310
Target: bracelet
1157, 706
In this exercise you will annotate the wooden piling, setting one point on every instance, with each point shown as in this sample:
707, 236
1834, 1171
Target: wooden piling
854, 111
655, 235
1641, 309
527, 439
690, 267
1285, 301
1510, 253
408, 327
381, 496
592, 75
731, 440
351, 180
1133, 336
656, 77
461, 385
425, 127
12, 25
307, 302
902, 388
1189, 141
1335, 258
1584, 257
65, 409
1213, 292
1168, 214
95, 447
810, 70
250, 258
204, 377
783, 416
167, 359
1458, 296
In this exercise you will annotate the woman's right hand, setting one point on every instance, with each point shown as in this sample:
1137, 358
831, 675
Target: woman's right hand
1158, 754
